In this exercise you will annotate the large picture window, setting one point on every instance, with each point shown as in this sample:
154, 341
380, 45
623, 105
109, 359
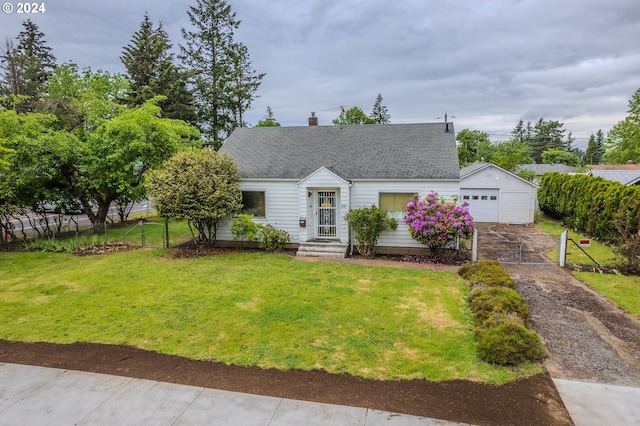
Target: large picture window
253, 203
394, 202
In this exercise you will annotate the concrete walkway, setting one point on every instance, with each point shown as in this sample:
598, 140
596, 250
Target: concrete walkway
48, 396
595, 404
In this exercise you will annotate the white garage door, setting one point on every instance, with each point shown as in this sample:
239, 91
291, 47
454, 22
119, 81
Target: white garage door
518, 207
484, 204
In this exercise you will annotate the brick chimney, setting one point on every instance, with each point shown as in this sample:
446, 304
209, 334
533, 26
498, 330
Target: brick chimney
313, 120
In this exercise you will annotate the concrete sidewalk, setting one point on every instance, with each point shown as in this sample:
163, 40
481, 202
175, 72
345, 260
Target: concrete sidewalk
595, 404
48, 396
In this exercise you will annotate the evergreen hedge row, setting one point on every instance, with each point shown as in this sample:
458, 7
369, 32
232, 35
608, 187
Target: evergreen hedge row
587, 204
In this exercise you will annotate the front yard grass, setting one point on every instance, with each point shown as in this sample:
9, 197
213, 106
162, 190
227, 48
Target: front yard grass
621, 289
600, 252
250, 309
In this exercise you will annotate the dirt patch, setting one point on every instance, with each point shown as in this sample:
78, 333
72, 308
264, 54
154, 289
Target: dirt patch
530, 401
587, 336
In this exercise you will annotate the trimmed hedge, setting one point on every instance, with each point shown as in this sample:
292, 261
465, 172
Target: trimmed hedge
586, 203
500, 315
486, 272
485, 303
508, 343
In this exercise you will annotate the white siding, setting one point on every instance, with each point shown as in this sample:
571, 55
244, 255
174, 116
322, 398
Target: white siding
281, 207
366, 193
516, 198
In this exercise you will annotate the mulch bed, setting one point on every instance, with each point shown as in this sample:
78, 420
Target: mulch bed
530, 401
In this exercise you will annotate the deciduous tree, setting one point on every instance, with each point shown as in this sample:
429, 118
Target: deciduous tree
623, 140
200, 186
352, 116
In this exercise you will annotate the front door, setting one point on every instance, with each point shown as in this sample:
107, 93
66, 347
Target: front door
327, 212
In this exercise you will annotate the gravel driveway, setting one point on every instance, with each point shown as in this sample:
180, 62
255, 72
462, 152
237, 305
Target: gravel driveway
587, 337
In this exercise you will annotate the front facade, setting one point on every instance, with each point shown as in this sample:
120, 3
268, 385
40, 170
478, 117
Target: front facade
496, 195
306, 179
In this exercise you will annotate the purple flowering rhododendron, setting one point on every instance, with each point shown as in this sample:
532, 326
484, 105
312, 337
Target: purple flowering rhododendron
436, 222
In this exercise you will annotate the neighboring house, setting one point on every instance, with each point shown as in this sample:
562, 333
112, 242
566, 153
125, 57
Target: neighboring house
306, 179
541, 169
496, 195
626, 174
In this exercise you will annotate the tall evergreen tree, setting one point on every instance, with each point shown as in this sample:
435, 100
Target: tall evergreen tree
623, 140
223, 82
379, 112
27, 66
151, 72
269, 120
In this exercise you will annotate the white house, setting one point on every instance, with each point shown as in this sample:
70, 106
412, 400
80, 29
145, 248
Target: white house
496, 195
306, 179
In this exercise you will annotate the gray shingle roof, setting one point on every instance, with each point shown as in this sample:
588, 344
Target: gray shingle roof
541, 169
625, 177
375, 151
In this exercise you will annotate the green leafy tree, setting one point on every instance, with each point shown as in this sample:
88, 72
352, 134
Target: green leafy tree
380, 113
623, 140
221, 76
468, 143
510, 154
268, 120
368, 223
560, 156
200, 186
26, 68
352, 116
151, 72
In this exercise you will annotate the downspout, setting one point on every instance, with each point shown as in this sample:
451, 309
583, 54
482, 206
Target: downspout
350, 236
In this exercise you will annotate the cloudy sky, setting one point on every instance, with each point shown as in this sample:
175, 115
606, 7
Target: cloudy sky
486, 63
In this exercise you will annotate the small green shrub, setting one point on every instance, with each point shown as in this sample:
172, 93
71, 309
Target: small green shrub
509, 343
487, 272
244, 228
68, 245
485, 303
273, 239
367, 224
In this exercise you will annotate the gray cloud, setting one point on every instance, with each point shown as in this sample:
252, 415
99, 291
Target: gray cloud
488, 63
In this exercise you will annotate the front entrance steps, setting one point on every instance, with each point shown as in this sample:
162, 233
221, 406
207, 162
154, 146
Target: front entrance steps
322, 248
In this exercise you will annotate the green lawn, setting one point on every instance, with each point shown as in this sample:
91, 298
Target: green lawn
600, 252
621, 289
250, 309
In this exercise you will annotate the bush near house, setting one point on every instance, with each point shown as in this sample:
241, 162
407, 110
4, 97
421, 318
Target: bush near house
437, 223
500, 315
367, 224
268, 236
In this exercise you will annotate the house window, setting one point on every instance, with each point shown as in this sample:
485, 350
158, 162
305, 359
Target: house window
253, 203
474, 197
394, 202
465, 197
484, 197
494, 198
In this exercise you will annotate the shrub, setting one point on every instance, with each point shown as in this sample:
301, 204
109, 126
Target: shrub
244, 228
273, 239
485, 303
367, 224
509, 343
487, 272
437, 223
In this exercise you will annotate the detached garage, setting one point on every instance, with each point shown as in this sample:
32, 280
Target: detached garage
496, 195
